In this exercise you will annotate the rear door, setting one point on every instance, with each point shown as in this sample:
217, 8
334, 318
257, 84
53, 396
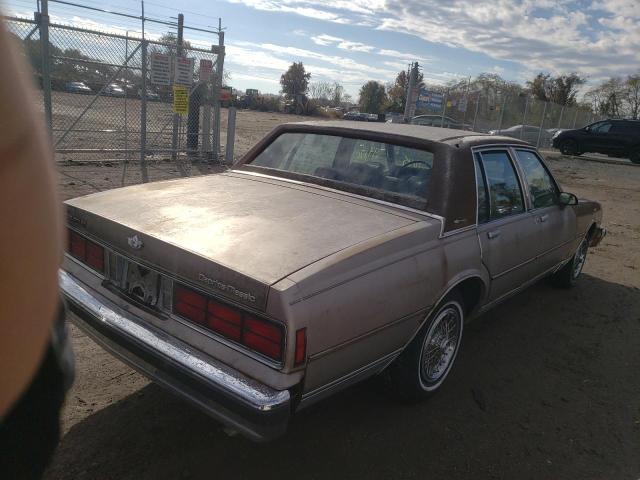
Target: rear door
557, 224
508, 234
602, 139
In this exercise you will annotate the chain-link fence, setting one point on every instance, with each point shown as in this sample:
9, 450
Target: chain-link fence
512, 114
105, 97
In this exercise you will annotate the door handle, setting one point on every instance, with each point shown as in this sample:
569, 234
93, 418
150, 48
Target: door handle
493, 234
544, 218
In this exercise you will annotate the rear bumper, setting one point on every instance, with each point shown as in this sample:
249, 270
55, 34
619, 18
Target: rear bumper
597, 236
254, 409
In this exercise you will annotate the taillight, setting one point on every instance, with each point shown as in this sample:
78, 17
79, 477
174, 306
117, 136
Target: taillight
88, 252
253, 332
301, 347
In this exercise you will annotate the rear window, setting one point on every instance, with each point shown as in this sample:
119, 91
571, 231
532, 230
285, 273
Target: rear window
357, 163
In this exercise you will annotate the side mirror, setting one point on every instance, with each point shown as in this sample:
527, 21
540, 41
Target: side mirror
587, 129
566, 198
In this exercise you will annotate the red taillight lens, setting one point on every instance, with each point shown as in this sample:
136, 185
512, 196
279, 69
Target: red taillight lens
224, 320
189, 304
255, 333
95, 256
264, 337
301, 347
86, 251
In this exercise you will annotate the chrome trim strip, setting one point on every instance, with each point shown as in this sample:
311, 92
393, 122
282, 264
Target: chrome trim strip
524, 286
542, 254
341, 192
253, 394
349, 379
459, 230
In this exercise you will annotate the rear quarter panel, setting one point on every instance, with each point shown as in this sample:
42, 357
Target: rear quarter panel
587, 212
367, 302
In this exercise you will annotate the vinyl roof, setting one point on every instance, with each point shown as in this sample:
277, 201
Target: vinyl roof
432, 134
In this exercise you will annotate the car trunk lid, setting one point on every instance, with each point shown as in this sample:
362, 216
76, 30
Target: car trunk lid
234, 234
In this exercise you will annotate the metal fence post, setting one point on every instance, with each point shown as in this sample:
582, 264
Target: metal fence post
475, 115
575, 118
544, 112
217, 85
143, 115
560, 119
179, 51
444, 108
46, 64
504, 104
524, 116
231, 136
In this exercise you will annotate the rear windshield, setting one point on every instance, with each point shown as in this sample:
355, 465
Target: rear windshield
363, 165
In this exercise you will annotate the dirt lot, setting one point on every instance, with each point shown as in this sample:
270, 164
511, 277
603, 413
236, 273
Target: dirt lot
546, 385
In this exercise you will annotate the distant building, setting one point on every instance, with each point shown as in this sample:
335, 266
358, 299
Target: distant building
252, 92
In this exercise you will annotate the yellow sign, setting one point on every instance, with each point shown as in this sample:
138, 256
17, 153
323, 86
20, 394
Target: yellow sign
180, 100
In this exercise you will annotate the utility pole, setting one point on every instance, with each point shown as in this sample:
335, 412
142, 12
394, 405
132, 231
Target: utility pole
409, 104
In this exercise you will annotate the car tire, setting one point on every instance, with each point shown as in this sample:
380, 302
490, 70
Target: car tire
634, 155
567, 276
424, 365
569, 147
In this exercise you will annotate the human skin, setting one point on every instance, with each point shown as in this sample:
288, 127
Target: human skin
31, 232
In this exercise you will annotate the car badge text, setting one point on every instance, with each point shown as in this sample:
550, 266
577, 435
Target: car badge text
226, 288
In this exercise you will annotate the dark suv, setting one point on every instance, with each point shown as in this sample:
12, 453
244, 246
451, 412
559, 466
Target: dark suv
616, 138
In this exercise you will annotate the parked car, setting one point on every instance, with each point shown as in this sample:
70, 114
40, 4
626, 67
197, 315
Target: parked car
114, 90
356, 116
439, 121
151, 95
333, 251
619, 138
77, 87
528, 133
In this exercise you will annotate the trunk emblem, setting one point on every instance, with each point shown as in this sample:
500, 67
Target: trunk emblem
135, 242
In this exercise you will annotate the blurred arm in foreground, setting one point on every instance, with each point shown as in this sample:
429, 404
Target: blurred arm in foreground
31, 379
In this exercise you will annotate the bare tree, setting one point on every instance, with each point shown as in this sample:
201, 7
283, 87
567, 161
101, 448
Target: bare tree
632, 95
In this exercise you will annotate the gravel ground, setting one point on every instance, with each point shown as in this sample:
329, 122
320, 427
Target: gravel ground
546, 385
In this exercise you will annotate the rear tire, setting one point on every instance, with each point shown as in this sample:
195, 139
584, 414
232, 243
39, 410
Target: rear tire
569, 147
567, 276
634, 156
426, 362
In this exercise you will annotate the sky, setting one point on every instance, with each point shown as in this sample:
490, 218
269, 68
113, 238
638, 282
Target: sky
353, 41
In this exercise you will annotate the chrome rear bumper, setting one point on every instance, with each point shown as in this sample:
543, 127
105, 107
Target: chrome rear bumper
254, 409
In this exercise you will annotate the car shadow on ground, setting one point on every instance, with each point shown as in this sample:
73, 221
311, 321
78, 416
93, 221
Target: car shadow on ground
545, 387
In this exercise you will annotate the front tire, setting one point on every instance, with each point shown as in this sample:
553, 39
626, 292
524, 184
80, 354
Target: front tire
569, 147
634, 156
425, 364
567, 276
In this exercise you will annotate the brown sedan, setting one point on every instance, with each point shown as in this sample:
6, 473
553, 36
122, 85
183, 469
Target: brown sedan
333, 251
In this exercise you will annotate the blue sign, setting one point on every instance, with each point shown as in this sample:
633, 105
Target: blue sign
429, 99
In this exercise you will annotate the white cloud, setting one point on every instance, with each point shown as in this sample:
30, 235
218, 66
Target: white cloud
341, 43
592, 37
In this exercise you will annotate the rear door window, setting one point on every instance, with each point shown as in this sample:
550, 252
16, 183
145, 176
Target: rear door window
542, 189
503, 187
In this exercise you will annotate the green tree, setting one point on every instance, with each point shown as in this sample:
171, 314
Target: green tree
295, 81
373, 97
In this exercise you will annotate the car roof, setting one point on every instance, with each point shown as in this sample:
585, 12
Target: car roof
417, 132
